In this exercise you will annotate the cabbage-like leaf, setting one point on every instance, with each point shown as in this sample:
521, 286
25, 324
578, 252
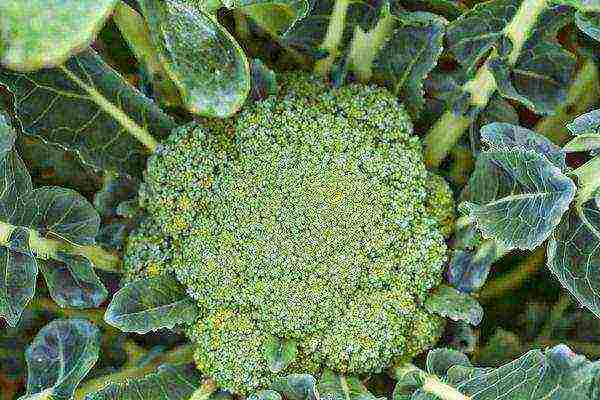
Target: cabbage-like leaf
449, 302
296, 387
27, 218
99, 120
275, 16
409, 55
521, 197
440, 360
586, 127
334, 386
589, 23
169, 382
574, 254
280, 353
202, 59
61, 355
149, 304
46, 33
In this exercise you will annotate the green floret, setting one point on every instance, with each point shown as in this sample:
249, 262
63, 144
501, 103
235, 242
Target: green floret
309, 218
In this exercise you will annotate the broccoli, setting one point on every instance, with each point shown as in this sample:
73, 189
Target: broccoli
308, 219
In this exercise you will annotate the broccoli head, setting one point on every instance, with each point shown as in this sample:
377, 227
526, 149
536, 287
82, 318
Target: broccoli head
309, 219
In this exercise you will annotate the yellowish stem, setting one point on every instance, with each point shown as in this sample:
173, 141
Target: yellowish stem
333, 37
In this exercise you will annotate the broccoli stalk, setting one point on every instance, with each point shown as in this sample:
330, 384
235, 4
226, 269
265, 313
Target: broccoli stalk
307, 229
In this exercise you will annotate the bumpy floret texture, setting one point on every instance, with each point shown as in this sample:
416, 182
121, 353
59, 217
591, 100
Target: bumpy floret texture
305, 218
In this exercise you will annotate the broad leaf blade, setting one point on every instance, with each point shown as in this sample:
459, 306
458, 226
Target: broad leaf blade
524, 199
149, 304
334, 386
275, 16
280, 353
169, 382
574, 254
18, 273
586, 127
45, 33
449, 302
60, 356
50, 105
589, 23
204, 61
296, 387
409, 56
440, 360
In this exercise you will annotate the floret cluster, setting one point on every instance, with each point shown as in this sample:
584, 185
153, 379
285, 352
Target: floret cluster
308, 217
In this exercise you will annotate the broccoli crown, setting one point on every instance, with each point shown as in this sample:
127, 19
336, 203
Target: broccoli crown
304, 218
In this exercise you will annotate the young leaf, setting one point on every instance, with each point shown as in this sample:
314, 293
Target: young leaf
47, 32
169, 382
204, 61
275, 16
296, 387
409, 55
510, 204
333, 386
449, 302
586, 127
86, 107
439, 361
574, 254
149, 304
61, 355
280, 354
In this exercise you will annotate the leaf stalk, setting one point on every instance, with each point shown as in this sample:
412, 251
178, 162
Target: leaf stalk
333, 37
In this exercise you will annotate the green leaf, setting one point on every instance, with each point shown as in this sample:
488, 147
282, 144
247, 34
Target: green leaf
99, 121
473, 35
586, 127
589, 23
204, 61
510, 204
582, 5
333, 386
280, 354
296, 387
46, 33
169, 382
409, 55
574, 254
439, 361
556, 374
149, 304
61, 355
449, 302
275, 16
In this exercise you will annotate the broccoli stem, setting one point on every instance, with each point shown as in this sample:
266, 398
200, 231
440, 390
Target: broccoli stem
365, 45
47, 248
583, 94
130, 126
450, 127
333, 37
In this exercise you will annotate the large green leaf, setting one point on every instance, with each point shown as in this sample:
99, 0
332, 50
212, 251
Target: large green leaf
61, 355
45, 33
149, 304
449, 302
86, 107
204, 61
586, 129
42, 226
169, 382
275, 16
514, 206
574, 254
409, 55
334, 386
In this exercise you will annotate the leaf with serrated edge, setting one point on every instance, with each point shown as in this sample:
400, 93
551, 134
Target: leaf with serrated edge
202, 59
409, 55
61, 355
528, 197
574, 254
175, 382
98, 122
46, 33
149, 304
449, 302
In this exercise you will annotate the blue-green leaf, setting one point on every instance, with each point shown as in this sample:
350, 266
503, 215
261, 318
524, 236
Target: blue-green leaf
149, 304
449, 302
589, 23
521, 197
440, 360
333, 386
169, 382
296, 387
203, 60
61, 355
275, 16
574, 254
586, 127
280, 353
46, 33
